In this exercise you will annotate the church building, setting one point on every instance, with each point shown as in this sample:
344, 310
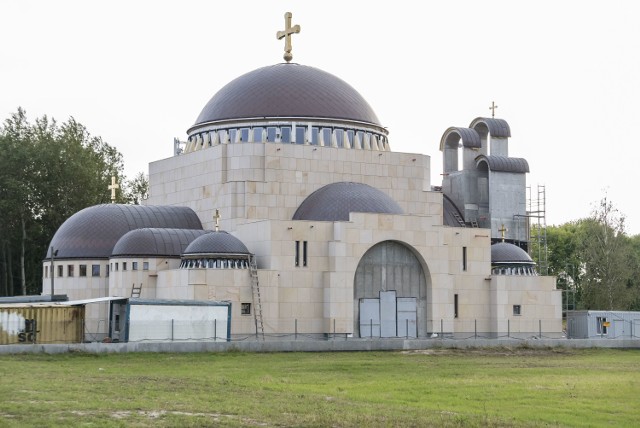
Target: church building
288, 201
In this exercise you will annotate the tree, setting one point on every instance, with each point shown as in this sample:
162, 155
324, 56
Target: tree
606, 256
136, 190
47, 173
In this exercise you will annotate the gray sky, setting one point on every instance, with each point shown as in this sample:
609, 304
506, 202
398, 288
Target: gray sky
565, 75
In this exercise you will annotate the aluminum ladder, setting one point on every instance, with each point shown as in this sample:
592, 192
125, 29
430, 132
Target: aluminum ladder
255, 292
459, 219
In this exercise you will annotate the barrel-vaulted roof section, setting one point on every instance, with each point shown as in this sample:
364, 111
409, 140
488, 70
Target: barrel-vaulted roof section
287, 91
93, 232
155, 242
470, 138
498, 128
504, 163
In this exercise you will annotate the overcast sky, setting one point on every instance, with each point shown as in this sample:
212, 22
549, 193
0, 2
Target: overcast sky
565, 75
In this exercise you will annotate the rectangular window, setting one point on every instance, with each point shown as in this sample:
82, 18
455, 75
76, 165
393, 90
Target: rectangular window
83, 270
300, 135
107, 274
340, 137
455, 306
304, 253
601, 325
315, 136
116, 267
326, 137
297, 259
272, 134
286, 134
464, 258
70, 270
145, 265
46, 271
134, 265
517, 310
124, 265
244, 135
257, 134
60, 270
95, 270
245, 308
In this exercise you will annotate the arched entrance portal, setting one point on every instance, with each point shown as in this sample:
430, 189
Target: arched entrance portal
385, 268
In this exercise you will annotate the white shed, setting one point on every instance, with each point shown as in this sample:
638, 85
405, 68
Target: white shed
135, 320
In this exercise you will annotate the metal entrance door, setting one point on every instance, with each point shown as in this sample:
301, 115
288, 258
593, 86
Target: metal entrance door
407, 317
388, 314
369, 317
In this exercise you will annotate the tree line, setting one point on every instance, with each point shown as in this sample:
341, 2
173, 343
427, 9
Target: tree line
594, 260
48, 172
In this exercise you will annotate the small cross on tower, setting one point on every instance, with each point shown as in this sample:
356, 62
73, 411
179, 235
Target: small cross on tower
217, 217
286, 34
113, 186
493, 109
503, 230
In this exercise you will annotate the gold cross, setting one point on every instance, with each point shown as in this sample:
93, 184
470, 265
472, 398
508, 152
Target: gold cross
113, 186
503, 230
217, 217
493, 109
288, 31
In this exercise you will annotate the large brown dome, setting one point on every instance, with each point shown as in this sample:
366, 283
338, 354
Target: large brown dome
287, 91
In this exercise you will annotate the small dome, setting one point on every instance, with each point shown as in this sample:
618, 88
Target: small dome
287, 91
506, 253
154, 242
335, 201
93, 232
216, 243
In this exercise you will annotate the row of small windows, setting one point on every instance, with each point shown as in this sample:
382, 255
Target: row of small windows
95, 269
307, 135
211, 263
517, 270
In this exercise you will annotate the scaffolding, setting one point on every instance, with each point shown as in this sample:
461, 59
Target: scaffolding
537, 233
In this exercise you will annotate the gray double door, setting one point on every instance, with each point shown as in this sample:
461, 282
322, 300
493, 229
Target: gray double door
388, 316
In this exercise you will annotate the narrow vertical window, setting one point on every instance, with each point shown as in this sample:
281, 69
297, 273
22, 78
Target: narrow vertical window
455, 306
60, 270
83, 270
95, 270
304, 253
134, 265
464, 258
517, 310
145, 265
124, 265
70, 270
46, 271
297, 259
107, 271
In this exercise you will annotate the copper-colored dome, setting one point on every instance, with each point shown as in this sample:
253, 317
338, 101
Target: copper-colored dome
287, 91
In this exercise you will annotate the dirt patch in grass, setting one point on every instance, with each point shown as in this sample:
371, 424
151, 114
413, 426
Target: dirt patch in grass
495, 351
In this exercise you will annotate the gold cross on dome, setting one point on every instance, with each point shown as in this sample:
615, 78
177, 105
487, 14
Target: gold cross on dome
503, 230
113, 186
217, 217
286, 34
493, 109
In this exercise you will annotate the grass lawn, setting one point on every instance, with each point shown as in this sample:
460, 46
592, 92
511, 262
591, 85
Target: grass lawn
481, 387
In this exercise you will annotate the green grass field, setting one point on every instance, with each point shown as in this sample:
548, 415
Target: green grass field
481, 387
